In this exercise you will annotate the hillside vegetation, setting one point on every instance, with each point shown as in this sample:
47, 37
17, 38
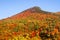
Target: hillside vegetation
31, 24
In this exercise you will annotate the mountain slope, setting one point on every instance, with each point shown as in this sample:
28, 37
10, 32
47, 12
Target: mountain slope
31, 24
29, 12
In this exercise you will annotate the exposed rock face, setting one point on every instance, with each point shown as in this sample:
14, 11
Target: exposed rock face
35, 9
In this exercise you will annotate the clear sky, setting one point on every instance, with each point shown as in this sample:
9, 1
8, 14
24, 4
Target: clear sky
11, 7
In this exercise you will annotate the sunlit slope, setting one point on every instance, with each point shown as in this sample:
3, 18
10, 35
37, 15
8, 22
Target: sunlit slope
31, 24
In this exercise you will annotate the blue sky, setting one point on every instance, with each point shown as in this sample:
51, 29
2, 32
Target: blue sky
12, 7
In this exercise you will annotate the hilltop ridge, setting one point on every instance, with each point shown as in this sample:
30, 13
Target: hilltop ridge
29, 11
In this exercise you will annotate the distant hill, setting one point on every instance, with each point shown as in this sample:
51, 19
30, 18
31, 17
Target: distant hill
31, 24
57, 12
